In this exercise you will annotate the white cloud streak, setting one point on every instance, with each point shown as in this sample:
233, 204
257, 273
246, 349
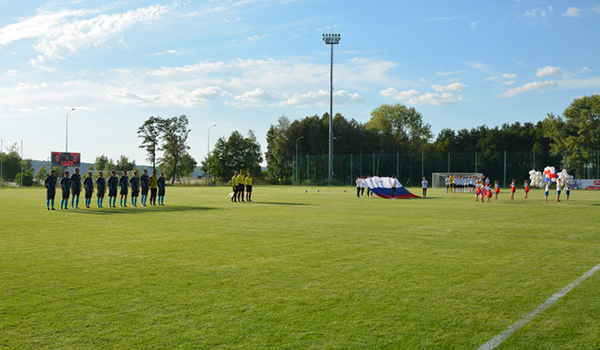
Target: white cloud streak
538, 85
548, 70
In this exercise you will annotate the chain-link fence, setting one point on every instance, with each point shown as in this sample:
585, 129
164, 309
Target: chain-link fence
410, 168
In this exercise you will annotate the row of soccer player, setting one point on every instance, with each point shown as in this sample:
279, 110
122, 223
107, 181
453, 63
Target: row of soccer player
456, 183
73, 184
483, 188
241, 182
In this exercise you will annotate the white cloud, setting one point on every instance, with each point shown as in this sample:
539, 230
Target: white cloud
154, 96
509, 75
450, 87
65, 31
548, 70
413, 97
399, 95
444, 74
254, 38
477, 65
539, 12
473, 26
573, 12
321, 98
538, 85
435, 99
255, 98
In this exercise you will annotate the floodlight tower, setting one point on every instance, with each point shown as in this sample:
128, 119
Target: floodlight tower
331, 39
67, 133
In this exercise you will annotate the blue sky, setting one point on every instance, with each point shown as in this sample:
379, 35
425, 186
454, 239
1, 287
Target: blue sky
242, 64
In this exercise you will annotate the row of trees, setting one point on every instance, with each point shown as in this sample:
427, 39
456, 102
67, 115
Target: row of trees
14, 168
168, 135
399, 129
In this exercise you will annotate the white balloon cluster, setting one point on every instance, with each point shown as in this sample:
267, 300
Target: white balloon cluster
539, 179
565, 177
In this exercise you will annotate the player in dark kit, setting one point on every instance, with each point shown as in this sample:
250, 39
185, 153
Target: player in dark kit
101, 189
135, 188
65, 186
124, 183
161, 188
50, 184
76, 187
145, 184
88, 185
113, 184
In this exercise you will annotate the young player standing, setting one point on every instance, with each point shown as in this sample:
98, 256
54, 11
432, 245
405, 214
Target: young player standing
88, 185
234, 185
393, 184
161, 182
113, 184
241, 180
124, 184
145, 186
65, 185
135, 188
101, 188
567, 190
526, 188
50, 184
558, 188
424, 184
447, 183
76, 187
496, 188
248, 183
153, 182
547, 191
513, 189
358, 182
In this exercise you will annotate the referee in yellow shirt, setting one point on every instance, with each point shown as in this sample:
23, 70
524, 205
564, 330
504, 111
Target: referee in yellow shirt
248, 183
234, 184
153, 182
241, 180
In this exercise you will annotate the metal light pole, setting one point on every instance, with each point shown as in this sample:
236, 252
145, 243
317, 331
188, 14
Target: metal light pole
331, 39
21, 163
1, 163
208, 157
298, 139
67, 133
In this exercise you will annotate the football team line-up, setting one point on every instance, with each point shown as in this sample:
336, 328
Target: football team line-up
73, 185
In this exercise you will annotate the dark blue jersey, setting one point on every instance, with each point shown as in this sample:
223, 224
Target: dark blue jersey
50, 183
161, 183
88, 183
113, 183
65, 184
124, 182
135, 184
76, 182
145, 183
101, 184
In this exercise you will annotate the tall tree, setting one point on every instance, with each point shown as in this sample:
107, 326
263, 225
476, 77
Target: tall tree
124, 164
187, 165
235, 153
279, 153
174, 134
150, 132
11, 162
576, 135
40, 176
401, 129
104, 163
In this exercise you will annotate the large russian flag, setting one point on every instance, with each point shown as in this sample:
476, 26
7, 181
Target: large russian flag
382, 186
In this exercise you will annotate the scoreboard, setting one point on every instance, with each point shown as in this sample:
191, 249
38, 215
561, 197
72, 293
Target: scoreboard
66, 159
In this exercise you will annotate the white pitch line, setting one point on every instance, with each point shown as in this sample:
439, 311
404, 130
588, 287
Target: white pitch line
513, 328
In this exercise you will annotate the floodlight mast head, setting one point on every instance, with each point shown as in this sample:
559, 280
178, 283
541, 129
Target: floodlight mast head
332, 39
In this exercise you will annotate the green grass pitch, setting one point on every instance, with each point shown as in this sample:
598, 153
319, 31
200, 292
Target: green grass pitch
298, 270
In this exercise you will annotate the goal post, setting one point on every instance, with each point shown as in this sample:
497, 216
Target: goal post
438, 179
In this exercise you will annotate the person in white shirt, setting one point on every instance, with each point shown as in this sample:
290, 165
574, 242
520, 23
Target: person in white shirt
547, 191
447, 183
558, 188
424, 184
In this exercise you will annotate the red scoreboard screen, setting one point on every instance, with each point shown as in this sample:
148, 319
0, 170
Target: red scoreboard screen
66, 159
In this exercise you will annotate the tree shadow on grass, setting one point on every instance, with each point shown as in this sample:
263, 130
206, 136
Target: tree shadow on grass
279, 203
142, 210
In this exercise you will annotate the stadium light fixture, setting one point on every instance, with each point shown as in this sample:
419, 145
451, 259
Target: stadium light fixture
67, 133
331, 39
208, 157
